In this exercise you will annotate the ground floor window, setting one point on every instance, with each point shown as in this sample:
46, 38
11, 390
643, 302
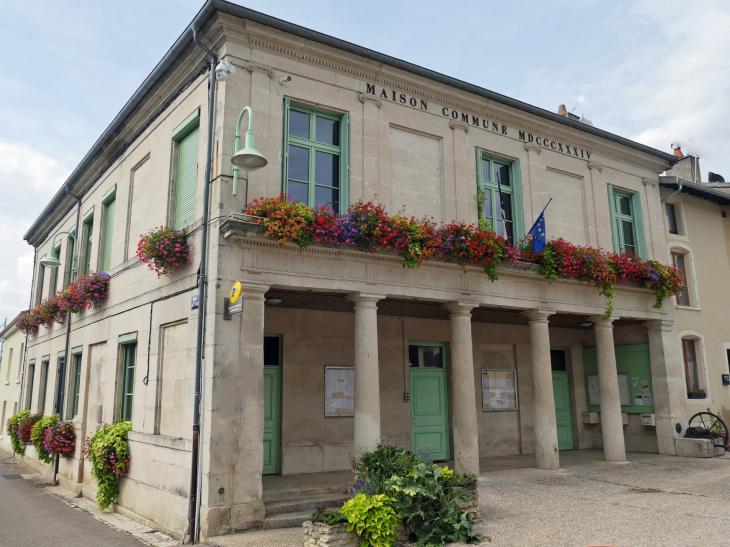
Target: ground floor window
76, 384
43, 385
128, 357
428, 356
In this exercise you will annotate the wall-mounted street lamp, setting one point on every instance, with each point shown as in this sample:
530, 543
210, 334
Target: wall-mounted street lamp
52, 262
248, 158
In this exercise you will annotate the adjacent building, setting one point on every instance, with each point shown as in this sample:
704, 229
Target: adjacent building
335, 348
12, 353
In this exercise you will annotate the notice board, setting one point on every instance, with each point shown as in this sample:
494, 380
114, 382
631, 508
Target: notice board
634, 375
499, 389
339, 391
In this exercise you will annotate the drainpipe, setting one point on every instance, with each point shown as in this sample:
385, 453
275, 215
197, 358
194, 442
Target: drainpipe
677, 191
193, 503
62, 369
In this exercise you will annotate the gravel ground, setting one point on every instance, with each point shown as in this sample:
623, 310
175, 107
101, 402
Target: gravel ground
651, 501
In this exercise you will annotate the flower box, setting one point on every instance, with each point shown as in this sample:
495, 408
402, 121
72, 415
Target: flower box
697, 396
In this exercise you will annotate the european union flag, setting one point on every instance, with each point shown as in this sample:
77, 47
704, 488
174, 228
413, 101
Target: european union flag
539, 238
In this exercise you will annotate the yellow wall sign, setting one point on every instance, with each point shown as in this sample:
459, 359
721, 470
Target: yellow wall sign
235, 292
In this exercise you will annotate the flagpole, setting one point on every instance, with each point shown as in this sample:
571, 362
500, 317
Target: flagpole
535, 223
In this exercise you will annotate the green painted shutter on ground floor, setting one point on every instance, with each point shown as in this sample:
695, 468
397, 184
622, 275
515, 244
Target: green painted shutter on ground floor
187, 178
272, 420
563, 417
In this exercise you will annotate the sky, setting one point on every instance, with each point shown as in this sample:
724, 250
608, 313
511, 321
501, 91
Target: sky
655, 71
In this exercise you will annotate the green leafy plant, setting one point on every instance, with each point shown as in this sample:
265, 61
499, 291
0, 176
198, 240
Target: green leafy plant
426, 500
372, 518
461, 480
108, 453
38, 437
13, 424
373, 469
327, 516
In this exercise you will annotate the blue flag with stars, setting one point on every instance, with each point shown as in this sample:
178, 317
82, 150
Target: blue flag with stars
539, 236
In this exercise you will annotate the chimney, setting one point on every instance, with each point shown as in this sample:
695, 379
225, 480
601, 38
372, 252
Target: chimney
678, 152
561, 110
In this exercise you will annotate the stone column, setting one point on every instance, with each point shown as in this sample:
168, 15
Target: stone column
367, 381
232, 439
463, 397
610, 399
546, 431
668, 384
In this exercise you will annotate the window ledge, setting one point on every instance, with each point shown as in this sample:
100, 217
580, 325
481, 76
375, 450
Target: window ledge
160, 440
7, 383
689, 309
17, 381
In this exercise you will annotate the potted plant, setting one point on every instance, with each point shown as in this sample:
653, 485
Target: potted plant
697, 394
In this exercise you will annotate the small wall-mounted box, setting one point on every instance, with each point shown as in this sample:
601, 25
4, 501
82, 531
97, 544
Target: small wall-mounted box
648, 419
726, 379
590, 417
624, 418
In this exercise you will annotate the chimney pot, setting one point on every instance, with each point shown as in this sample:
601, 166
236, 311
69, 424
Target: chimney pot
561, 110
678, 152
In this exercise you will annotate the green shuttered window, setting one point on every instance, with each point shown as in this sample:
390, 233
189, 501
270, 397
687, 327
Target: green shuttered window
627, 222
108, 235
76, 383
186, 175
128, 356
491, 174
316, 162
53, 286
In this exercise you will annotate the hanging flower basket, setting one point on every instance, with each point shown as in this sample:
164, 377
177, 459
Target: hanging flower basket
92, 289
164, 249
60, 439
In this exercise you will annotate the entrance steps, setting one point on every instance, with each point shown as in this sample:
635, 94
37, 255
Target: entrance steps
292, 513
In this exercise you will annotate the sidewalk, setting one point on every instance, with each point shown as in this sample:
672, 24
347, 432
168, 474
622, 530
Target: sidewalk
30, 516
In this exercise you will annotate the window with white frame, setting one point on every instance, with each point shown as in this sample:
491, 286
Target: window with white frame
681, 263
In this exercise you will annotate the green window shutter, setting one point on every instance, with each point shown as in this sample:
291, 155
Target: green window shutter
285, 166
519, 210
612, 213
187, 178
639, 226
41, 280
344, 162
106, 259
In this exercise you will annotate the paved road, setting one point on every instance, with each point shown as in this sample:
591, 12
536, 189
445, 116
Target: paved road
30, 517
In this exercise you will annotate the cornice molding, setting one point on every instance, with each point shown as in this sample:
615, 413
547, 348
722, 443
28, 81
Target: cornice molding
649, 182
533, 148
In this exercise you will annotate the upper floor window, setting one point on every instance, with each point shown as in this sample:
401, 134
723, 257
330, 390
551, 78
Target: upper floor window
678, 260
672, 222
107, 230
68, 261
53, 285
316, 170
41, 280
87, 233
185, 177
503, 213
627, 222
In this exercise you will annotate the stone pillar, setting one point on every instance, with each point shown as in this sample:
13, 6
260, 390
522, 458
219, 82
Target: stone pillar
232, 440
463, 396
610, 399
668, 384
367, 382
546, 431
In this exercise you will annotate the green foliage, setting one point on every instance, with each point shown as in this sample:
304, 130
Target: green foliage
327, 516
382, 463
13, 423
372, 518
38, 437
461, 480
427, 501
108, 453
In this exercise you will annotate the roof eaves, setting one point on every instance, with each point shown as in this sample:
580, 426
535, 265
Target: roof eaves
9, 326
698, 190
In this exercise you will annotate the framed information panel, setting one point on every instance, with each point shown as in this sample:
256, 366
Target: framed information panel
499, 389
339, 391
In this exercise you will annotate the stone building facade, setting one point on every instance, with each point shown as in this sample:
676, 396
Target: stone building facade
339, 123
11, 366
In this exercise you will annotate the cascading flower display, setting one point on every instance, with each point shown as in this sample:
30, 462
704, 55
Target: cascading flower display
164, 249
60, 439
108, 452
86, 292
367, 226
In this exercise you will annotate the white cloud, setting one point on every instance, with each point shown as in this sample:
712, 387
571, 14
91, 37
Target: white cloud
28, 180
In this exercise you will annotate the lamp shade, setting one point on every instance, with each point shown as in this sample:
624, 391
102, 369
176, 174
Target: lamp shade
50, 262
249, 158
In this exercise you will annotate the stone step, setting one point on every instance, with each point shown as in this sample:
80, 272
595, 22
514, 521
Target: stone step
304, 504
286, 520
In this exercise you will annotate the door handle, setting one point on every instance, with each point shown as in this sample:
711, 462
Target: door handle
413, 418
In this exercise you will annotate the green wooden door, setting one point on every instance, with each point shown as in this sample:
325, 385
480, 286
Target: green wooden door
272, 418
429, 412
563, 419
